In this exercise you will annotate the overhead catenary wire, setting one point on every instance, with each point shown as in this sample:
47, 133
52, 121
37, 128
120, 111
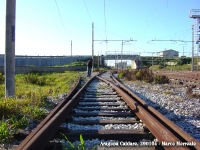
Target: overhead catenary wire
168, 27
61, 17
110, 32
90, 15
105, 22
178, 33
149, 24
87, 10
105, 18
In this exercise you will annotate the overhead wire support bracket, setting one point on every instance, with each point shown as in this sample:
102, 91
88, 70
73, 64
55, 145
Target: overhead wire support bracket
184, 43
149, 42
170, 41
116, 40
123, 41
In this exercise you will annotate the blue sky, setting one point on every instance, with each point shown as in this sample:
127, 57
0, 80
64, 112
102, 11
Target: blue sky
46, 27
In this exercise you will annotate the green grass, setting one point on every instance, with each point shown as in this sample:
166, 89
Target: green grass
30, 99
80, 146
179, 67
80, 63
101, 69
5, 133
185, 67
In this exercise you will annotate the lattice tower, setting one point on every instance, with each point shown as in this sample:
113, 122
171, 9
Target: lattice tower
195, 14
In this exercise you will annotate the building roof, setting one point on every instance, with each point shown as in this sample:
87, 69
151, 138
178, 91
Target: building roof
167, 50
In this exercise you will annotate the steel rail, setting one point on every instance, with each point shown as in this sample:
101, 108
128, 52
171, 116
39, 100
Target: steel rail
176, 129
161, 132
42, 134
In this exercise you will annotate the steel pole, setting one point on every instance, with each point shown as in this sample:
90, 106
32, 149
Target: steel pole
115, 58
197, 60
121, 54
93, 46
9, 58
192, 68
71, 51
98, 59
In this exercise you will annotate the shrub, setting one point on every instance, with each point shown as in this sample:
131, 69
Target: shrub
121, 75
8, 107
31, 78
37, 113
5, 133
129, 75
41, 81
100, 69
34, 79
18, 121
1, 78
156, 67
138, 75
160, 79
114, 71
143, 74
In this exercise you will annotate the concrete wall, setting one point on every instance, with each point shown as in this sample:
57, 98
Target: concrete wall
136, 64
44, 60
26, 69
171, 63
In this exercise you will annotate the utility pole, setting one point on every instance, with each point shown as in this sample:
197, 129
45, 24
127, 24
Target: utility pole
115, 58
122, 51
197, 60
152, 59
71, 51
98, 59
101, 58
9, 60
121, 54
117, 62
93, 46
192, 68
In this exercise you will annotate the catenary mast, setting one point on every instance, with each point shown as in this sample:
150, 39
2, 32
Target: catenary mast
9, 60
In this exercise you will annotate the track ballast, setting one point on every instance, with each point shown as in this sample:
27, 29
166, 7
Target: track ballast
105, 115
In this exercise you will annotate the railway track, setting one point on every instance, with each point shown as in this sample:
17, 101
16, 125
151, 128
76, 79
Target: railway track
189, 79
103, 108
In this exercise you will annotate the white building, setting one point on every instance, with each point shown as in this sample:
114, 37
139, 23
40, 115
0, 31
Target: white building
168, 53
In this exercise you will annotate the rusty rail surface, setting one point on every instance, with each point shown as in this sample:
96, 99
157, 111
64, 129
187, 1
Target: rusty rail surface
41, 135
174, 129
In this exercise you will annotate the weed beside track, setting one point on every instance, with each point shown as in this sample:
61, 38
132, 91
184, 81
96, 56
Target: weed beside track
35, 95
